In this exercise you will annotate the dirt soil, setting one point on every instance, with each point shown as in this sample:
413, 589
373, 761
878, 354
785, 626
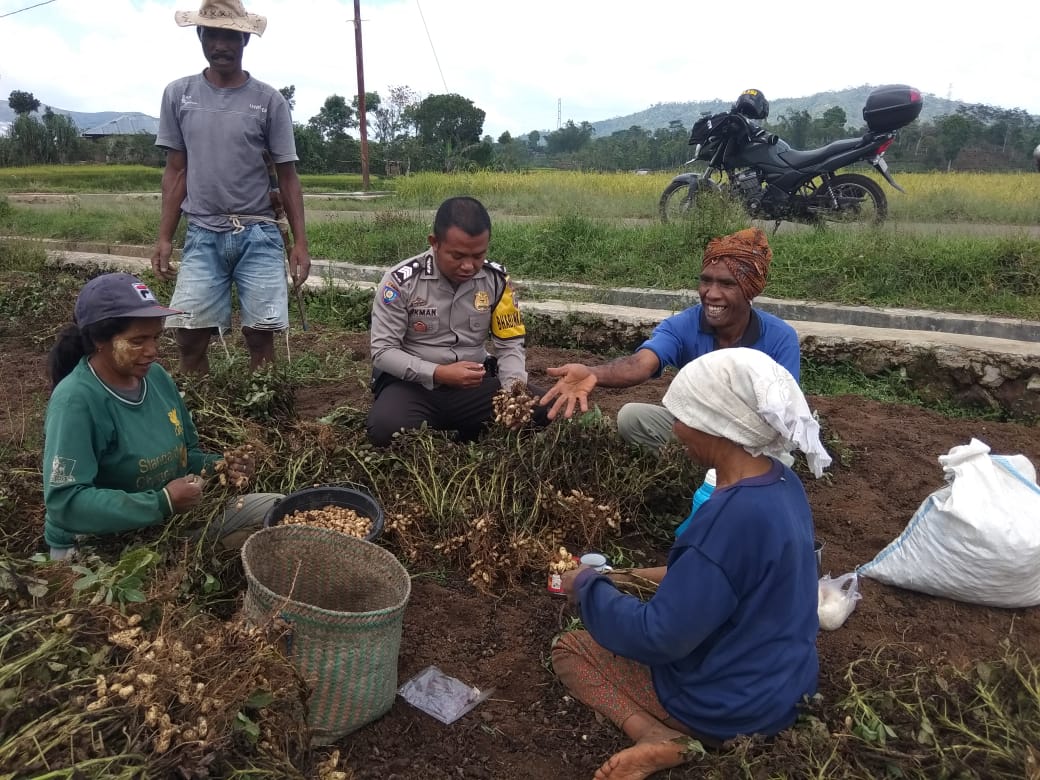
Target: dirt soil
528, 728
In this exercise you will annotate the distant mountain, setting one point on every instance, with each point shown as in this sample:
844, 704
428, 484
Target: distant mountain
852, 100
83, 119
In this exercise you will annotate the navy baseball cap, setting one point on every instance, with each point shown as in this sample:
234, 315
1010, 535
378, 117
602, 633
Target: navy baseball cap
116, 295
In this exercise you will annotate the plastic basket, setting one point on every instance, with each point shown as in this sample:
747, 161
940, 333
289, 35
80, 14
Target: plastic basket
326, 495
344, 601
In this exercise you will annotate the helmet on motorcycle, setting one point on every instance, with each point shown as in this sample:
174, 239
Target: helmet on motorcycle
752, 104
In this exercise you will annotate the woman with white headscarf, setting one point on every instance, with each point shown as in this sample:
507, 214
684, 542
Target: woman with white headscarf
727, 644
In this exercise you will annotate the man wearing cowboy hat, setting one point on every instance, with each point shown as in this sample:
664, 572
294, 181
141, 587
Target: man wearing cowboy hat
216, 127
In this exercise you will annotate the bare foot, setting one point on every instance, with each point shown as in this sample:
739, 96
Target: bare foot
661, 748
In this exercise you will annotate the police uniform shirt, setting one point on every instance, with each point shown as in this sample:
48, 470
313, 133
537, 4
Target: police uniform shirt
420, 321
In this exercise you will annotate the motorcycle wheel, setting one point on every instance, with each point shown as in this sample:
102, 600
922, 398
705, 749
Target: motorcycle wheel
848, 197
678, 200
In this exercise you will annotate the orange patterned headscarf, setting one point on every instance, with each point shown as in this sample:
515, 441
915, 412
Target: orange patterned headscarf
746, 254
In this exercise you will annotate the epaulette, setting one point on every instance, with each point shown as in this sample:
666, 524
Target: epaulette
498, 267
407, 269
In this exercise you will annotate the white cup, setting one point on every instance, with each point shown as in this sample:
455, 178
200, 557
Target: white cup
597, 561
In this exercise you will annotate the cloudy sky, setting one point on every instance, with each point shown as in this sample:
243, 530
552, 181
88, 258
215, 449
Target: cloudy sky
596, 59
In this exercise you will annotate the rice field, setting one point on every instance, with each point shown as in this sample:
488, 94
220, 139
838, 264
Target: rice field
1001, 198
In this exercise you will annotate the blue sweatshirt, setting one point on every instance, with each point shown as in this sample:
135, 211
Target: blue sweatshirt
730, 634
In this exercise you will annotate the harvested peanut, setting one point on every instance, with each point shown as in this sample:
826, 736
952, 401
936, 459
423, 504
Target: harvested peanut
335, 518
237, 463
514, 408
562, 561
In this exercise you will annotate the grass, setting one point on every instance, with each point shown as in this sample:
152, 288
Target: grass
983, 275
80, 178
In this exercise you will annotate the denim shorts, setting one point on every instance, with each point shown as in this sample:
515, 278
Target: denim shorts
254, 260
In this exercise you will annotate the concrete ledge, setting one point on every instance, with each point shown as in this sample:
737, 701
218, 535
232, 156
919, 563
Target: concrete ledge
671, 301
647, 318
648, 307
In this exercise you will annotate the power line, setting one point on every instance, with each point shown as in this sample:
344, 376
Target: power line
27, 8
445, 83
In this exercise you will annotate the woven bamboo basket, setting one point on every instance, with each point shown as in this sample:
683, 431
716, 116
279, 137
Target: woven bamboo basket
344, 600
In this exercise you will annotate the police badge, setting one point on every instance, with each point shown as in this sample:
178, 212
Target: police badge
481, 301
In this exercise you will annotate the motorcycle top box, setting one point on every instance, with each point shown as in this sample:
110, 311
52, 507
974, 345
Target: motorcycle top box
893, 106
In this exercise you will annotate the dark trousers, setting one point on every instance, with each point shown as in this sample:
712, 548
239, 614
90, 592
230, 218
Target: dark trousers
399, 404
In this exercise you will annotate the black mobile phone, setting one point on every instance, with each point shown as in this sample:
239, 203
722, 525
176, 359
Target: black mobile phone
491, 366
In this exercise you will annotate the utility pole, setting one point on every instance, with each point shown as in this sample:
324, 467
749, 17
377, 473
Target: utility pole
362, 124
559, 113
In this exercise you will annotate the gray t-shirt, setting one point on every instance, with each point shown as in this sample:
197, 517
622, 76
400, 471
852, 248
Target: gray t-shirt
225, 132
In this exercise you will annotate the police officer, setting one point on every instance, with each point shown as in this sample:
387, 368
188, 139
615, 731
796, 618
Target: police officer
431, 318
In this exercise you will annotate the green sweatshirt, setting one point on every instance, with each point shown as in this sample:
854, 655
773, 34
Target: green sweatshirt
106, 459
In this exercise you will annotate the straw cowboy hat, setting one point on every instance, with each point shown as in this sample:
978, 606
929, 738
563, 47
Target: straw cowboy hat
226, 14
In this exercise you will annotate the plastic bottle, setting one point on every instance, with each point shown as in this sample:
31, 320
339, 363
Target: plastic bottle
702, 495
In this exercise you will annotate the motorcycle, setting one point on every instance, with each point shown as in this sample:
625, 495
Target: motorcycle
775, 182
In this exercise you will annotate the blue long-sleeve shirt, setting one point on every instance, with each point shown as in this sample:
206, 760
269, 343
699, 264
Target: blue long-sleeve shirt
730, 634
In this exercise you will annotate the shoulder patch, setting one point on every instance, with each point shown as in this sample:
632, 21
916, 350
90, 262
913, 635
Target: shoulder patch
498, 267
506, 322
406, 270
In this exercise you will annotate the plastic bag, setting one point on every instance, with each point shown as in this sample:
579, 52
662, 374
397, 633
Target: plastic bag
837, 599
445, 698
976, 539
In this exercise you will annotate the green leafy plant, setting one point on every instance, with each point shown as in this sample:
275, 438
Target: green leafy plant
122, 582
246, 725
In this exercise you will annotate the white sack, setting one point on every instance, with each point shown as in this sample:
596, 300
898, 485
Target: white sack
977, 539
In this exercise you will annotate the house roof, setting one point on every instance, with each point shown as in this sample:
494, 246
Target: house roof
124, 125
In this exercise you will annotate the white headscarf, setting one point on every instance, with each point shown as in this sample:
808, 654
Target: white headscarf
745, 396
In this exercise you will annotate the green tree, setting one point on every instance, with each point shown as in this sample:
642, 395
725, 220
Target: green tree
22, 102
343, 155
138, 149
63, 134
505, 138
569, 138
392, 114
1010, 129
533, 138
829, 127
31, 142
672, 145
447, 124
289, 93
333, 119
510, 156
954, 130
479, 155
372, 101
310, 148
795, 127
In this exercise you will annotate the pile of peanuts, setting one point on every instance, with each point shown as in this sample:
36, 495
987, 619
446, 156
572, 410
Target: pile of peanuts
227, 474
514, 407
562, 561
335, 518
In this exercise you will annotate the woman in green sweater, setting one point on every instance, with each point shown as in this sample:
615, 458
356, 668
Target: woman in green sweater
121, 451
